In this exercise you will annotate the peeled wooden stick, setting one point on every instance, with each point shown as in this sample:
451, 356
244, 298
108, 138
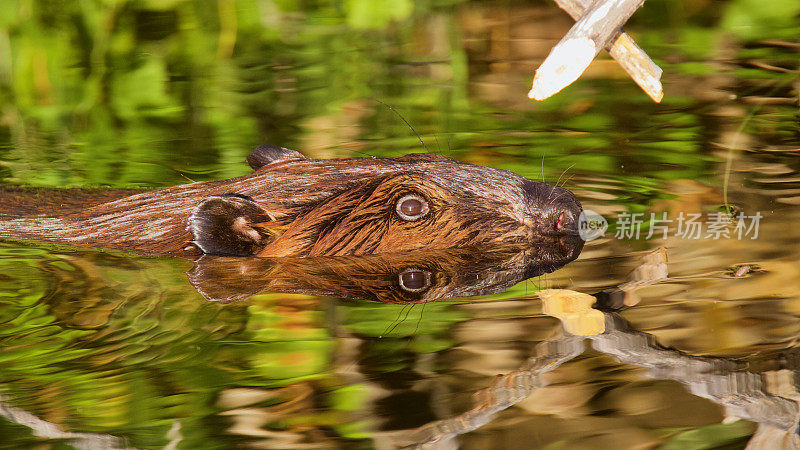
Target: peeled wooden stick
597, 27
639, 66
630, 56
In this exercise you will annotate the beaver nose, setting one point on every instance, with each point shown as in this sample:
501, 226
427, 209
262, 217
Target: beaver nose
565, 212
566, 222
555, 210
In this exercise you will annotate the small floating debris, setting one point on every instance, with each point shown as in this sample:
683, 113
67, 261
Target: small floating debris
743, 270
653, 270
574, 310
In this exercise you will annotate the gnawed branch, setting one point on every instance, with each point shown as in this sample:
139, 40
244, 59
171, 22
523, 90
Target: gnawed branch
597, 27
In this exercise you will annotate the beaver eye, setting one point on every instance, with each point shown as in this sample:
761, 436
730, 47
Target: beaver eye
414, 280
411, 207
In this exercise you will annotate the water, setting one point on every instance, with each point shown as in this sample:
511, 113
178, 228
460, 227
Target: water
105, 348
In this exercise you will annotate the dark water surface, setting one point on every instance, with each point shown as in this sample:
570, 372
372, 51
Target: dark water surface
107, 349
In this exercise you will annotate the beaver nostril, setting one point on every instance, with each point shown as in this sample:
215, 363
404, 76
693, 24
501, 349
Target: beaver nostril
560, 221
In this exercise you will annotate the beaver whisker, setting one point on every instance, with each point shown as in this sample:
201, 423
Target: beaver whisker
567, 180
552, 201
402, 309
543, 181
404, 120
563, 172
397, 320
419, 320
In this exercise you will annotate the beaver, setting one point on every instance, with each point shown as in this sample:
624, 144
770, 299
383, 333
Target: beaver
294, 206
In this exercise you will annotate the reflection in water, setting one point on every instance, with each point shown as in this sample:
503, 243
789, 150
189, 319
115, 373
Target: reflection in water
771, 398
79, 441
113, 320
410, 277
768, 398
652, 270
49, 430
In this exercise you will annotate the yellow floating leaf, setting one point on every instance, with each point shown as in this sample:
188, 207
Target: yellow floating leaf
574, 310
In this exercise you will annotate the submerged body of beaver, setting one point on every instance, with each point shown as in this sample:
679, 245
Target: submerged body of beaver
293, 206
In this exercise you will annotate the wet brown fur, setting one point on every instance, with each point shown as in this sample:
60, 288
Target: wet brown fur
318, 207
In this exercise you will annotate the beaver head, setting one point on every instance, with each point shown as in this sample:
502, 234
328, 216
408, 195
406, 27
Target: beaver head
293, 206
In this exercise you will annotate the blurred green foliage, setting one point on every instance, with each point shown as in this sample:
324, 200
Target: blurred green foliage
149, 93
152, 92
752, 19
127, 346
711, 436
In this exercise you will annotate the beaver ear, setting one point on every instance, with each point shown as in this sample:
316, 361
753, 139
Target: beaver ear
221, 225
270, 154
